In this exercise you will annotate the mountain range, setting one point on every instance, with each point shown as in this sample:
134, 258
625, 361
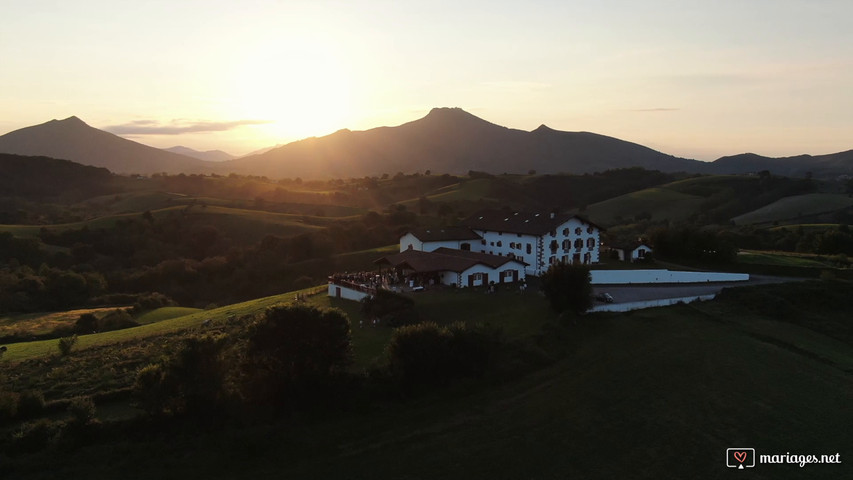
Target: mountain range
72, 139
209, 155
447, 140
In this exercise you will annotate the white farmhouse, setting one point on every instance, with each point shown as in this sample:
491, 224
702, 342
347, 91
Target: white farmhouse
537, 239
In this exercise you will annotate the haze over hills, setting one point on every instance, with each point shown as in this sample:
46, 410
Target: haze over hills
72, 139
447, 140
209, 155
452, 140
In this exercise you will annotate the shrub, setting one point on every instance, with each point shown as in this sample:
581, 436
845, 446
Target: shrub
294, 352
8, 406
87, 323
426, 354
30, 404
151, 301
150, 389
35, 436
66, 345
568, 287
82, 410
391, 308
116, 320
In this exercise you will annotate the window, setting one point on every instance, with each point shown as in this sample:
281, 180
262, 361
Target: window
478, 276
578, 231
483, 241
589, 229
499, 243
565, 259
492, 244
590, 243
565, 232
578, 244
529, 248
553, 246
553, 233
552, 260
567, 244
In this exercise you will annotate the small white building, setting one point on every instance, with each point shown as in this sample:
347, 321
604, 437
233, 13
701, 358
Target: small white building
460, 268
634, 252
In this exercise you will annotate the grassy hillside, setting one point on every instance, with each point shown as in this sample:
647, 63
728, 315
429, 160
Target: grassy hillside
663, 392
660, 203
795, 207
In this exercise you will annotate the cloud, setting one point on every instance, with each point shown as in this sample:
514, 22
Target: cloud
177, 127
655, 109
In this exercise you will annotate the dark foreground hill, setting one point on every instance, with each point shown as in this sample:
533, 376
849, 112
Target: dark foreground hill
72, 139
450, 140
42, 178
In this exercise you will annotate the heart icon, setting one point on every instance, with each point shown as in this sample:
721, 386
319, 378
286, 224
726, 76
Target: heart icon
740, 456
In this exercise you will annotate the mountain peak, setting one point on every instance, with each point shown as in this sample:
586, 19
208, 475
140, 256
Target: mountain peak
543, 129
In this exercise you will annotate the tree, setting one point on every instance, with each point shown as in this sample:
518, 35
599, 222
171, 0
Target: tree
568, 287
294, 351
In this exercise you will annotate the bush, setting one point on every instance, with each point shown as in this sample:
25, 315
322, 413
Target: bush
568, 287
82, 410
66, 345
8, 406
116, 320
192, 382
30, 404
426, 354
294, 353
87, 323
390, 308
35, 436
152, 301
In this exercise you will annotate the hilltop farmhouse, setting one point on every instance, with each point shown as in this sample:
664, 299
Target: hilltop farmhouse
538, 240
491, 247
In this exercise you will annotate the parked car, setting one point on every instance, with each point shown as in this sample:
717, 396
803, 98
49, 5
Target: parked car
604, 297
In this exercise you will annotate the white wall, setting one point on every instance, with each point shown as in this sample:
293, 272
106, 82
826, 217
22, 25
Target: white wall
665, 302
416, 244
566, 231
346, 292
619, 277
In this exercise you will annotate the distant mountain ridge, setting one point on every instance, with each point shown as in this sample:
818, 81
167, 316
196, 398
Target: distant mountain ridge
72, 139
209, 155
447, 140
451, 140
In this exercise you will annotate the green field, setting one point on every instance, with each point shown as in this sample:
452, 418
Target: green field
43, 348
661, 202
787, 259
791, 208
659, 393
44, 323
165, 313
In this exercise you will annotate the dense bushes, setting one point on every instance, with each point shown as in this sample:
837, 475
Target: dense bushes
568, 288
427, 354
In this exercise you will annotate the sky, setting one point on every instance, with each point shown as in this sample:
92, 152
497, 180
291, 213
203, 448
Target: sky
696, 79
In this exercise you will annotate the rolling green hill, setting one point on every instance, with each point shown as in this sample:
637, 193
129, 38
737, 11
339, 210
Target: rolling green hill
795, 207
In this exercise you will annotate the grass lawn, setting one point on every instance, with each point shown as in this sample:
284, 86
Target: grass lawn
659, 393
789, 259
44, 323
165, 313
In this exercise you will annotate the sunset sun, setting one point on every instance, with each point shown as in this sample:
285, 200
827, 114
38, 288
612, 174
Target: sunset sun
301, 90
